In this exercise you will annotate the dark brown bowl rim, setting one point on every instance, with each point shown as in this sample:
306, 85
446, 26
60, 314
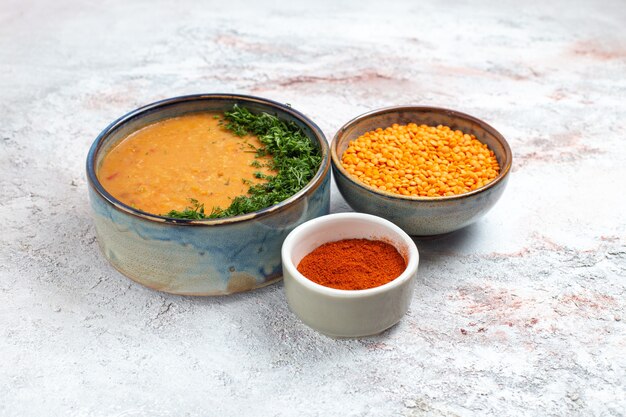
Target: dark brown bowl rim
504, 170
312, 185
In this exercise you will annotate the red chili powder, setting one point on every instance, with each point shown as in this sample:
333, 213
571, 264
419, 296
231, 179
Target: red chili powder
353, 264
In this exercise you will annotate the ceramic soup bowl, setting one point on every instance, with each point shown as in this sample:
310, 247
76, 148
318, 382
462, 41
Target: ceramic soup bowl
209, 256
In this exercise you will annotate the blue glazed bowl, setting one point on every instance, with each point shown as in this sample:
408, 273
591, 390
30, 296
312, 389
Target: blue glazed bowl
421, 216
209, 256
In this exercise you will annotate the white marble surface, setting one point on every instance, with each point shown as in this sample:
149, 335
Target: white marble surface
520, 314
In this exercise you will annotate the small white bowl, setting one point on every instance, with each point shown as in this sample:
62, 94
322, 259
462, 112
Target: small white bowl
347, 313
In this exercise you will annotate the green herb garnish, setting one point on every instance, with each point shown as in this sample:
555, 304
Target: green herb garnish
195, 212
295, 159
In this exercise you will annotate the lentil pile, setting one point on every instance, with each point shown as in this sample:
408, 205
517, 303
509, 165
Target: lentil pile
419, 160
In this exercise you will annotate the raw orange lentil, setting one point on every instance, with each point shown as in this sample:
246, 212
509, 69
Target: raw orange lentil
424, 161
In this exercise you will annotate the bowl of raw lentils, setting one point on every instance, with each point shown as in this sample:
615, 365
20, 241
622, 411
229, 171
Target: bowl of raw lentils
429, 170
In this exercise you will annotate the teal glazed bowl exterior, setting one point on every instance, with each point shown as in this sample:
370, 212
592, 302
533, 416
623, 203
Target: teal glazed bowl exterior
421, 216
209, 256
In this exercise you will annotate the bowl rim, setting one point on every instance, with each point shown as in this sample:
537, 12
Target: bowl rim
303, 229
139, 112
504, 170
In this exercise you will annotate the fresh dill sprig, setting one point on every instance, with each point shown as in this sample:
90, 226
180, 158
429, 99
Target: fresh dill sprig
295, 160
194, 212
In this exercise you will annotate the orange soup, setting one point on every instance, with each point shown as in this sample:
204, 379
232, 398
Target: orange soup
162, 166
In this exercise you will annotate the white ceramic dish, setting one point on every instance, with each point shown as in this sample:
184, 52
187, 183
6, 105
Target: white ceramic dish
346, 313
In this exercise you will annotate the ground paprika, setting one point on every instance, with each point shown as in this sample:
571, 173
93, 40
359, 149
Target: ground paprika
353, 264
